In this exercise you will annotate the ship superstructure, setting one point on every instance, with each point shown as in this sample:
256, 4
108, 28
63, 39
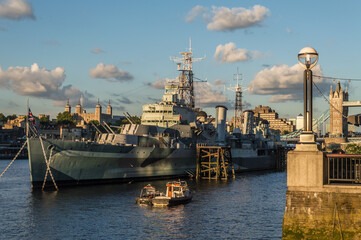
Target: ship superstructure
170, 111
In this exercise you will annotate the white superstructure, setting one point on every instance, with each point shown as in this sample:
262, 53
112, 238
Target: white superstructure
170, 111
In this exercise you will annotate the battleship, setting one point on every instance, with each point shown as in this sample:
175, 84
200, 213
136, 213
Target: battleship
163, 145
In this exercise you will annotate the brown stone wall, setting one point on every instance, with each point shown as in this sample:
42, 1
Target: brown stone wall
311, 215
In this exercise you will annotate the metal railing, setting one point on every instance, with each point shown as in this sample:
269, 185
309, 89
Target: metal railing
344, 168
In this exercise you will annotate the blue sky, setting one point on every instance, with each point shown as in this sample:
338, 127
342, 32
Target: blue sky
119, 50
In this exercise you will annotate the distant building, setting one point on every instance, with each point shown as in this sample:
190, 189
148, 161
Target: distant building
275, 123
299, 122
292, 121
80, 114
19, 122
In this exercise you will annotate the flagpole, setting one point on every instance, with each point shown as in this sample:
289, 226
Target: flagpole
27, 119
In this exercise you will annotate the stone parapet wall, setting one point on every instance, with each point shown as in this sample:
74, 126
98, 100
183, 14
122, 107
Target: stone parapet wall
322, 215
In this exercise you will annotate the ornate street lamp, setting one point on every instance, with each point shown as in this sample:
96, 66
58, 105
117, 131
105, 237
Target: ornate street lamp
307, 58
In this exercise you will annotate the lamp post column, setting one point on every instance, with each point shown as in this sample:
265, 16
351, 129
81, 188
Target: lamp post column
307, 58
309, 121
305, 115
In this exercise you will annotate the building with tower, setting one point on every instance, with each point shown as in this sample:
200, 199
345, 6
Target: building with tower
81, 116
338, 123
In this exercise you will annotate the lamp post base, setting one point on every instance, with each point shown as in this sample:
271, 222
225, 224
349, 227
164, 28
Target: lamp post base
308, 137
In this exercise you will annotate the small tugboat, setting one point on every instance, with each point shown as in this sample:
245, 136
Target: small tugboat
146, 195
177, 192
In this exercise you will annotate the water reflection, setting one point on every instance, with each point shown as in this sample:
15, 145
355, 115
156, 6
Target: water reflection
250, 207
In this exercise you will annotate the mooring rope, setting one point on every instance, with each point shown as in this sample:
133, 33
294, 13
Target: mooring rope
16, 156
47, 165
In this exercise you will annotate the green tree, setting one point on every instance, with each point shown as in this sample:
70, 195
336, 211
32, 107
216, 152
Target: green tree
2, 118
44, 120
136, 119
64, 118
95, 122
124, 121
12, 117
353, 149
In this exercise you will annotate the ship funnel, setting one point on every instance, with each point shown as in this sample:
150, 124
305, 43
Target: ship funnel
221, 115
248, 122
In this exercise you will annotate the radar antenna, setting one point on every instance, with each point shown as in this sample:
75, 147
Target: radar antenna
184, 65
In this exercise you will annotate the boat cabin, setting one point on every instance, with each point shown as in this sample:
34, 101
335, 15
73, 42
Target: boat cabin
148, 192
176, 189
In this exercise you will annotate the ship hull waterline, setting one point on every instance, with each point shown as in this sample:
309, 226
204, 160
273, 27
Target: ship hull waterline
86, 163
73, 163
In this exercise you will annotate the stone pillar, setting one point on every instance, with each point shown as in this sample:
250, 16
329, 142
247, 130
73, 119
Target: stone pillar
306, 167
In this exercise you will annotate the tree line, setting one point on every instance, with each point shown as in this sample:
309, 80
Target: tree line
4, 118
65, 118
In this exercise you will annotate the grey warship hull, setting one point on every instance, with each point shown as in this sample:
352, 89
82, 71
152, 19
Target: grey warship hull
74, 163
248, 160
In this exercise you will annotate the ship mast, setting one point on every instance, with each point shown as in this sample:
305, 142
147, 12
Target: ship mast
238, 103
186, 87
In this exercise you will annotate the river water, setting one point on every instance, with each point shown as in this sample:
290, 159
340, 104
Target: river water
249, 207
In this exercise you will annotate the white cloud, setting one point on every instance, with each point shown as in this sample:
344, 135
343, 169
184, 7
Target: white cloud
110, 73
208, 95
226, 19
16, 10
219, 82
196, 11
161, 82
284, 83
31, 81
97, 51
39, 82
229, 19
230, 53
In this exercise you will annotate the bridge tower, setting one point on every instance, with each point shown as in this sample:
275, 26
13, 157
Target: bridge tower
338, 123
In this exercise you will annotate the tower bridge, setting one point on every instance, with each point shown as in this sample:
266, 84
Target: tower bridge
337, 113
351, 104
